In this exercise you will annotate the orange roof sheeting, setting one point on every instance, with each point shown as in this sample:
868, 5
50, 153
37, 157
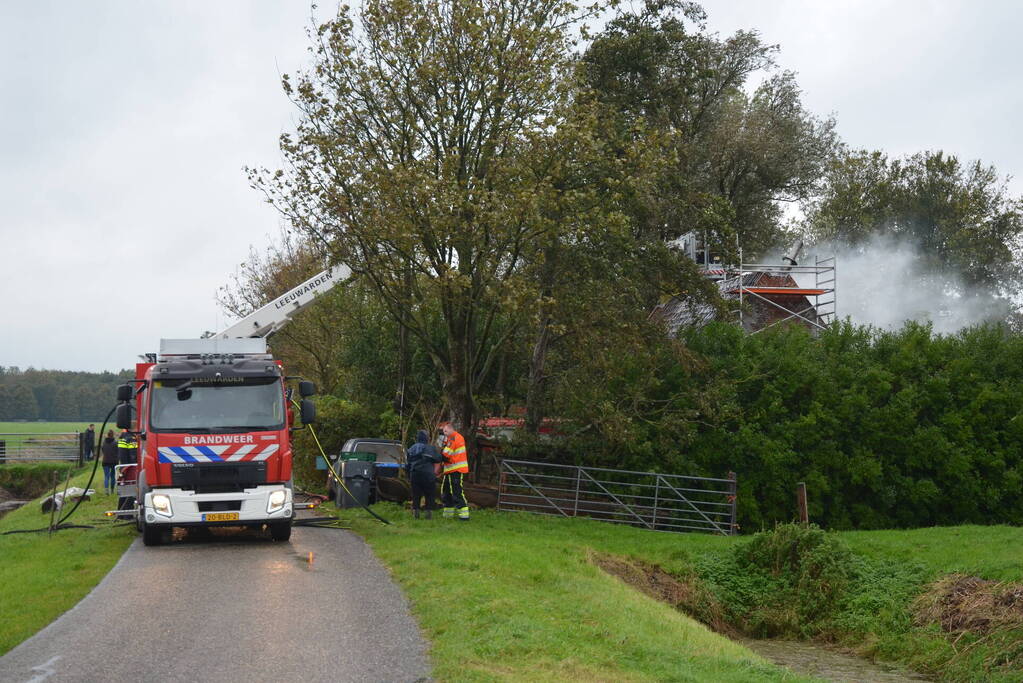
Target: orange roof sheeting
782, 290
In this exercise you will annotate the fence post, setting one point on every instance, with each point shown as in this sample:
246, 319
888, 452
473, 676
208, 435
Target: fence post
53, 503
575, 506
500, 485
733, 492
81, 449
804, 514
657, 496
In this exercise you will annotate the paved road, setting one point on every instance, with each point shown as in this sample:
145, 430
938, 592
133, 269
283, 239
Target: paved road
232, 609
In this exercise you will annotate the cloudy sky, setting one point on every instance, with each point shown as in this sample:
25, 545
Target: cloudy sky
126, 126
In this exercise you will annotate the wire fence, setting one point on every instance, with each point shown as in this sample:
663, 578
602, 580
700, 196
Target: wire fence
62, 447
661, 502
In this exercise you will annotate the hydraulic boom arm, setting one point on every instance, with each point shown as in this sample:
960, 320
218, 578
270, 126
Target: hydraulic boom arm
273, 316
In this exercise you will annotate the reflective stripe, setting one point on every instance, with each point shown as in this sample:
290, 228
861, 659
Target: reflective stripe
179, 454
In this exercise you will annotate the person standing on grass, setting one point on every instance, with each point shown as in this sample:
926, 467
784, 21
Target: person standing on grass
109, 452
456, 466
419, 462
88, 442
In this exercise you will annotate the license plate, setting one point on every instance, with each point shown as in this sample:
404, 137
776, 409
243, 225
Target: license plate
219, 516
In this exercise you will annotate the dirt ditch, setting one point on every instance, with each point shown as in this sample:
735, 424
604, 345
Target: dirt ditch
692, 598
688, 596
9, 501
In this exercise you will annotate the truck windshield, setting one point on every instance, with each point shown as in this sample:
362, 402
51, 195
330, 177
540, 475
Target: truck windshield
190, 406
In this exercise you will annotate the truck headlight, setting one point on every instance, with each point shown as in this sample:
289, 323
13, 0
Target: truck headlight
276, 500
162, 504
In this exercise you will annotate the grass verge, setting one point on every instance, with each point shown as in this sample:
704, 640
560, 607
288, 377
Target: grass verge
41, 575
519, 597
516, 597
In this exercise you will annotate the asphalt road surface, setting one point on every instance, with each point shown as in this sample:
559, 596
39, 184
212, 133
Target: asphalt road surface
233, 608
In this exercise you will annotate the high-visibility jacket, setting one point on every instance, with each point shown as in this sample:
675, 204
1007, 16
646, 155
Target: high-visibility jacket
455, 457
127, 442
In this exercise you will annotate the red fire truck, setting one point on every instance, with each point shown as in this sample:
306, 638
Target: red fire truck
213, 422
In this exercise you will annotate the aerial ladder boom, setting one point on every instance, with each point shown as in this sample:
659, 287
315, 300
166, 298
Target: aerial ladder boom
268, 319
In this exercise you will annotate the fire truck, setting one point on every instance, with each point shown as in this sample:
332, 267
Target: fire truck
213, 420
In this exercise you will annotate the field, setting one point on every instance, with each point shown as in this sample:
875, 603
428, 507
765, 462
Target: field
46, 427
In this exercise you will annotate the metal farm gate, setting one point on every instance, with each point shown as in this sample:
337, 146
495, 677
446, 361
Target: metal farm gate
35, 447
661, 502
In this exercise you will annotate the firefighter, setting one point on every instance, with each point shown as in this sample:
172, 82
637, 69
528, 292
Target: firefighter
127, 454
127, 448
456, 466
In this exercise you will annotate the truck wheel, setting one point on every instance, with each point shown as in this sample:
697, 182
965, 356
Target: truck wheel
151, 535
280, 531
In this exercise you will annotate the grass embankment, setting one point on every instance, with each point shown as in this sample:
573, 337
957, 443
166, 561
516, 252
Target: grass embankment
42, 576
515, 596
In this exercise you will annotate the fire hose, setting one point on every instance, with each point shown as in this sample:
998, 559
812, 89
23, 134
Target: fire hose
334, 473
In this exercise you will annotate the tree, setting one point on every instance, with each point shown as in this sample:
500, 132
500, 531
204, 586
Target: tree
959, 215
65, 405
24, 402
45, 390
734, 156
422, 149
8, 407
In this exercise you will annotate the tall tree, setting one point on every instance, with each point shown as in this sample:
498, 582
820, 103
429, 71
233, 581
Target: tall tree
421, 151
8, 408
25, 403
65, 405
734, 156
960, 216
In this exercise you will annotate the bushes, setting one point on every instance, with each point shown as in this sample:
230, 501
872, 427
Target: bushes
888, 429
32, 480
337, 421
785, 582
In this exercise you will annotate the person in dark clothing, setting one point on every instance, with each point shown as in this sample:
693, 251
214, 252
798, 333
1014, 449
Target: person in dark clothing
88, 442
419, 465
108, 449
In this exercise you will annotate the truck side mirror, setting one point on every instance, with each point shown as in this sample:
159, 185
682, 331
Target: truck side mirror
308, 412
124, 393
124, 415
306, 389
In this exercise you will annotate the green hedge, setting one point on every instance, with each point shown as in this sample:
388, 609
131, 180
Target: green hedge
887, 429
32, 480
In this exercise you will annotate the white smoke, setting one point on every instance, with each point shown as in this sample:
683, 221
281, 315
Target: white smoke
885, 282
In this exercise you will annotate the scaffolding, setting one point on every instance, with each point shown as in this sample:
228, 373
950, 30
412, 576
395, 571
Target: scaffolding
767, 293
776, 286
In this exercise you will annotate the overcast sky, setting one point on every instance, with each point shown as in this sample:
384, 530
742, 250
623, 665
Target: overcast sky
126, 127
